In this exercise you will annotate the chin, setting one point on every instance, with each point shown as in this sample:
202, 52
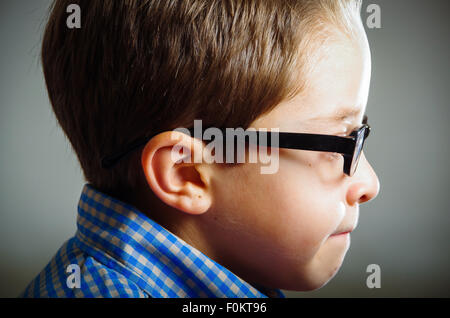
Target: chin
312, 285
314, 278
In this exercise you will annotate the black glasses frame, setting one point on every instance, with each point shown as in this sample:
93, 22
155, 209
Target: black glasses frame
350, 147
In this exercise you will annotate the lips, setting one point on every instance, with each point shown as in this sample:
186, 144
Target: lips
342, 233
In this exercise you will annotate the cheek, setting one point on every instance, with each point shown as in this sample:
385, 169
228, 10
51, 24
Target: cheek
310, 210
288, 214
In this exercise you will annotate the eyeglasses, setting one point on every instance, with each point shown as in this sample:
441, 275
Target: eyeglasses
350, 147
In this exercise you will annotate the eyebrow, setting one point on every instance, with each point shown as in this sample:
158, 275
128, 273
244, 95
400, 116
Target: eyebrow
341, 114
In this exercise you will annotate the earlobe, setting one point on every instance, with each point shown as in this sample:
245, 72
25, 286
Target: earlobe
172, 176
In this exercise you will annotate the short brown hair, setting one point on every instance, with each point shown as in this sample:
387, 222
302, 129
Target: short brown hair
142, 67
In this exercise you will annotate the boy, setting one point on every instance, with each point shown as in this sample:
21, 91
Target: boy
153, 225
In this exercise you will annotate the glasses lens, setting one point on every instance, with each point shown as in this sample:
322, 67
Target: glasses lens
358, 150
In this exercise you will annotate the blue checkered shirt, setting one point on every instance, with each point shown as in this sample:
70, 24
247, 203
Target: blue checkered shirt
117, 251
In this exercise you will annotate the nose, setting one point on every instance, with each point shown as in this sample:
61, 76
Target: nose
364, 184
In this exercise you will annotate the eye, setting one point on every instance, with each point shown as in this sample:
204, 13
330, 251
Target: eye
345, 133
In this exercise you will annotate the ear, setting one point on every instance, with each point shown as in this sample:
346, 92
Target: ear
173, 175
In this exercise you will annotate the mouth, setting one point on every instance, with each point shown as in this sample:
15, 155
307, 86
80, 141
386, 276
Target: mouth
342, 233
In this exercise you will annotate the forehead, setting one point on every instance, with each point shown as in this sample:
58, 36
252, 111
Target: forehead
338, 82
338, 85
340, 79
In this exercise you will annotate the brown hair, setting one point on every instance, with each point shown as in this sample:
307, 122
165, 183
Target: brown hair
141, 67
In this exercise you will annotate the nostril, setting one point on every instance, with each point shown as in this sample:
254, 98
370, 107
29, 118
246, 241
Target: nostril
363, 198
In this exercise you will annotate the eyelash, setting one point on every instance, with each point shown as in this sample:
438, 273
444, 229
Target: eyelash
345, 134
349, 131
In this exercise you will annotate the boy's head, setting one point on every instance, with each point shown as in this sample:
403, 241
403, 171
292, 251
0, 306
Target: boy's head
143, 67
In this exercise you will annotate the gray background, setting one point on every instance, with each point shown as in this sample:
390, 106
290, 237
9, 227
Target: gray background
405, 229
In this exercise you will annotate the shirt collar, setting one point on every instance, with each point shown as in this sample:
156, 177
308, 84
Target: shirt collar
125, 239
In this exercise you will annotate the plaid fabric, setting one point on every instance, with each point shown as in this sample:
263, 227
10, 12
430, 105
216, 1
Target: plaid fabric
122, 253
